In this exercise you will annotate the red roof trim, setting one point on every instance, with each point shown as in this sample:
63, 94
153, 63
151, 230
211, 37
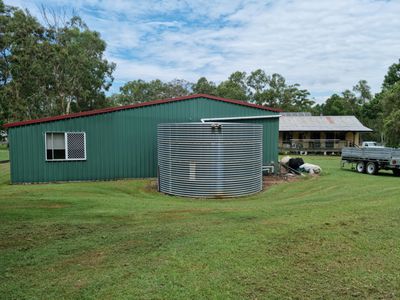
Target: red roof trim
137, 105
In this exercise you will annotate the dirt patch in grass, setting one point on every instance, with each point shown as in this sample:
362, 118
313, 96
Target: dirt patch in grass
46, 206
80, 283
179, 214
25, 236
203, 210
171, 216
273, 223
137, 247
126, 218
189, 210
269, 181
87, 259
185, 213
151, 186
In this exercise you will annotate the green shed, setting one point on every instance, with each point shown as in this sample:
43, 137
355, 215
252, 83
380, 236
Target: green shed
120, 142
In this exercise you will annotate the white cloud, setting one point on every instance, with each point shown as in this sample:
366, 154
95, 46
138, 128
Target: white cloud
326, 46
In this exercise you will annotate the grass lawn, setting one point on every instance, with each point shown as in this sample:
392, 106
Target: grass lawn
336, 236
3, 153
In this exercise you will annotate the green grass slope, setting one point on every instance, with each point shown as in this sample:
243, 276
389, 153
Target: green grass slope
3, 154
334, 236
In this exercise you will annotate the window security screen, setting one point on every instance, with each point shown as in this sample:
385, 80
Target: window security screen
76, 145
65, 146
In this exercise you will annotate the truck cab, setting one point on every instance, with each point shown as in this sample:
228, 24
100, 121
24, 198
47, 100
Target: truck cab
371, 145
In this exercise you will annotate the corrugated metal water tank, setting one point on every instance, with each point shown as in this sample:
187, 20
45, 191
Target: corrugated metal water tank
212, 160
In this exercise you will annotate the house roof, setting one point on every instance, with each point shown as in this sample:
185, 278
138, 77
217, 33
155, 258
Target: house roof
137, 105
321, 123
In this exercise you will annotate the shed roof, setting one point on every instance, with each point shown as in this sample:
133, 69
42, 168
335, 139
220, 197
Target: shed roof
137, 105
321, 123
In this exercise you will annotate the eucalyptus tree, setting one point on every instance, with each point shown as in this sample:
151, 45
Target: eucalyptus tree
48, 69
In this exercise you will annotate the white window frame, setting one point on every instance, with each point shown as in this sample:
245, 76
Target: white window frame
66, 146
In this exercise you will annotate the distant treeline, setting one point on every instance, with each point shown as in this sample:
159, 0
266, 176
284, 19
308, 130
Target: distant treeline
256, 87
381, 111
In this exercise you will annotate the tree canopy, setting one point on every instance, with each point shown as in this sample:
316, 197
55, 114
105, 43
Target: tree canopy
392, 76
203, 86
49, 69
380, 112
390, 100
257, 87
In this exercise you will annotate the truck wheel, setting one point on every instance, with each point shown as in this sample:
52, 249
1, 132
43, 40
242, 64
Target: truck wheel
396, 172
372, 168
360, 167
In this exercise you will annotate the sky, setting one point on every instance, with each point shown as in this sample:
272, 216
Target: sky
326, 46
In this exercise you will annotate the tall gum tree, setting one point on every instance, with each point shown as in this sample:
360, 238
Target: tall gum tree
49, 69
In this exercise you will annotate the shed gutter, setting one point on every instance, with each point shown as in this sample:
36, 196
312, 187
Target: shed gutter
204, 120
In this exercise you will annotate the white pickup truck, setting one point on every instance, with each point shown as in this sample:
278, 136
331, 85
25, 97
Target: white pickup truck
370, 158
371, 145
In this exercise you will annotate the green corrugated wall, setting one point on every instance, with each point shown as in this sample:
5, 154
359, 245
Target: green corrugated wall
121, 144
